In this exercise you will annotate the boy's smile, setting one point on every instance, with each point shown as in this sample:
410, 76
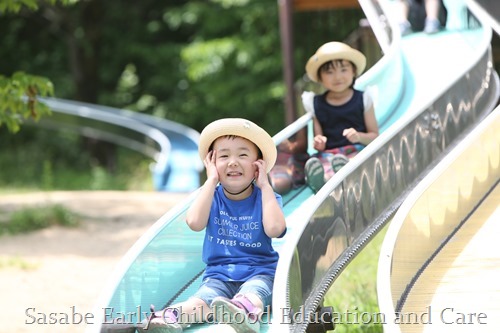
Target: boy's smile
235, 157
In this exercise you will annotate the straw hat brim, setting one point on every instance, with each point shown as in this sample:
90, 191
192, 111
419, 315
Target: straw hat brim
243, 128
333, 51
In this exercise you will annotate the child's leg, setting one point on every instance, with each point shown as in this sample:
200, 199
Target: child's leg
258, 290
326, 159
174, 318
280, 176
315, 173
342, 155
288, 172
244, 311
338, 162
193, 311
323, 165
298, 162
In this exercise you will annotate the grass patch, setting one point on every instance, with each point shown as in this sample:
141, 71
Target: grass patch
38, 159
16, 262
355, 291
36, 218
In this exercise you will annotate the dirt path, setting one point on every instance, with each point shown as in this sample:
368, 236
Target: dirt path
56, 269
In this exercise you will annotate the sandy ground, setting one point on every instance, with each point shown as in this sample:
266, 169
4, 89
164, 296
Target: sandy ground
63, 270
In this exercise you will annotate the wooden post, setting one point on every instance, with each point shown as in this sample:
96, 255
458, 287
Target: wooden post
286, 33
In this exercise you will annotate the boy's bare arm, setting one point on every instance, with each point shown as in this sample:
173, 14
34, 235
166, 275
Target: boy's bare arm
273, 218
199, 211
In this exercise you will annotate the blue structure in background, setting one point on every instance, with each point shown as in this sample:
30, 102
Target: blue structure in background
173, 146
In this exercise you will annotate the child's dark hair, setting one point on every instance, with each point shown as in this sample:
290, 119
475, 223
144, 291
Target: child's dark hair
232, 137
336, 63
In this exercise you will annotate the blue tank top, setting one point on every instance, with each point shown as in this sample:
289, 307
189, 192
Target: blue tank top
335, 118
236, 247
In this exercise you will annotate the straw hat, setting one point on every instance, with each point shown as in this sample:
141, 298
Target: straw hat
239, 127
332, 51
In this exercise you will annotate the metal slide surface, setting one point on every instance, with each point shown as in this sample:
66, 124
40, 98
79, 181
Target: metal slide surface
165, 267
438, 264
466, 292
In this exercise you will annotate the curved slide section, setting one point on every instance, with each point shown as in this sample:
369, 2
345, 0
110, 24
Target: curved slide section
435, 243
173, 147
424, 105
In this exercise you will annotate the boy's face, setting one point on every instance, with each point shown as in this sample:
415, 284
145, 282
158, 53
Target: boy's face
337, 75
234, 160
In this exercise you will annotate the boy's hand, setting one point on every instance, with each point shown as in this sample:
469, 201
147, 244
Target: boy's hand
209, 162
352, 135
319, 142
260, 174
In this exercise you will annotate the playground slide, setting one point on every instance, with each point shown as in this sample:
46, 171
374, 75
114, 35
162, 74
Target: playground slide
449, 95
440, 224
447, 210
424, 103
164, 141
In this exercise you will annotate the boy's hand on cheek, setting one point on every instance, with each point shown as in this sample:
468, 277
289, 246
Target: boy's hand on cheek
209, 162
260, 174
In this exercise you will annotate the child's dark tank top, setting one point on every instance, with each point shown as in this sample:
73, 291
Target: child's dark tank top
334, 119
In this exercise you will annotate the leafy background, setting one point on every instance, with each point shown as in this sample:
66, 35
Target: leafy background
187, 61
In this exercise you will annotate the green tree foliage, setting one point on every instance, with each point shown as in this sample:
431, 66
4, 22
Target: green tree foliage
188, 61
18, 93
234, 66
18, 99
15, 6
